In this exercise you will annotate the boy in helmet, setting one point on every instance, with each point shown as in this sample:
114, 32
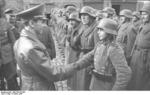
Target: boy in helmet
111, 71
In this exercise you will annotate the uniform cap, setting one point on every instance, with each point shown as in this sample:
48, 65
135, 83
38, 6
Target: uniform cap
31, 12
7, 11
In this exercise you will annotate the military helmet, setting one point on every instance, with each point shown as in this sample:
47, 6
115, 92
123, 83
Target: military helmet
127, 13
109, 10
99, 14
88, 10
109, 26
71, 9
31, 12
146, 7
136, 14
74, 16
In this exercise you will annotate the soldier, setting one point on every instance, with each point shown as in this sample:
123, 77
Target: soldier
136, 21
8, 66
140, 62
73, 45
86, 33
11, 18
37, 71
111, 71
126, 33
45, 35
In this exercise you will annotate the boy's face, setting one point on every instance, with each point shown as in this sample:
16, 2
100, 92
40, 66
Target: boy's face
102, 34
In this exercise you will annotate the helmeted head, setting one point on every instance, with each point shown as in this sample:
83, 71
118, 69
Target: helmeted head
125, 16
107, 27
74, 16
109, 12
146, 7
99, 15
87, 14
88, 10
69, 10
126, 13
136, 16
145, 12
74, 19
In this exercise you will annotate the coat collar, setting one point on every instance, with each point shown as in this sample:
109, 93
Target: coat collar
29, 33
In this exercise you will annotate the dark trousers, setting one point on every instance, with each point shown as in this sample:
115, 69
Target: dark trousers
8, 77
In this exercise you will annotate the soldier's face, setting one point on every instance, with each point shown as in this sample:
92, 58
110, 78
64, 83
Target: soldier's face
85, 18
102, 35
134, 19
73, 23
122, 19
145, 17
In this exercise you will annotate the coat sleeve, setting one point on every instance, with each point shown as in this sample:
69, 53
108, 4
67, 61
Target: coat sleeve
123, 71
51, 44
85, 61
41, 63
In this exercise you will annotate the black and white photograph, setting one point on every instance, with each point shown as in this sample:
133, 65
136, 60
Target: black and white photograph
74, 45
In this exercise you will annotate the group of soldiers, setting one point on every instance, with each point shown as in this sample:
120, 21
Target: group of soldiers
102, 51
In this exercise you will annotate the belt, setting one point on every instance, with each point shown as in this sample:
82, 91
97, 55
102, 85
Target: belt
102, 77
142, 49
86, 50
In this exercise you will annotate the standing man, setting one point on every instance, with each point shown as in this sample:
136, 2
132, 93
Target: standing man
73, 46
126, 32
8, 65
37, 71
140, 62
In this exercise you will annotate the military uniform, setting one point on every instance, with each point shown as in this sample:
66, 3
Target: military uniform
140, 61
46, 38
8, 66
111, 71
37, 71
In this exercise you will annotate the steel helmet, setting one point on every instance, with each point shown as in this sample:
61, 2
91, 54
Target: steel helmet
109, 10
99, 14
109, 26
136, 14
88, 10
71, 9
127, 13
74, 16
146, 7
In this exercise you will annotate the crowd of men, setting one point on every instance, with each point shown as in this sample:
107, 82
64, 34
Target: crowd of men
103, 50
